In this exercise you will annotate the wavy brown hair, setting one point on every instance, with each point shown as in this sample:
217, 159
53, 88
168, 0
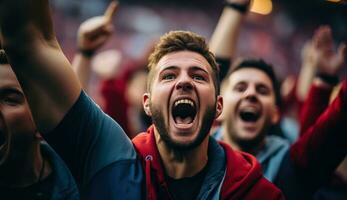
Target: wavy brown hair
175, 41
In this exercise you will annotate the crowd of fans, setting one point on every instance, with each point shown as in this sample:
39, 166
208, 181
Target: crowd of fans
259, 113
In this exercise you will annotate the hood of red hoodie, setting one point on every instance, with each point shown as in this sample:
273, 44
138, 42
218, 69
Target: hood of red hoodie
243, 177
243, 171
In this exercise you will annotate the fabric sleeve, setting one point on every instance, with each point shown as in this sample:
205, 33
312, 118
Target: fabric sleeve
89, 140
315, 104
323, 146
224, 65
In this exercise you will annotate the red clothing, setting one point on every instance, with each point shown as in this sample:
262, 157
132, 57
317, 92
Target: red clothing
243, 178
317, 101
116, 105
315, 104
323, 145
113, 91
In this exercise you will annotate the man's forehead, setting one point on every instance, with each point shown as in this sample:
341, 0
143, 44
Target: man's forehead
183, 59
249, 74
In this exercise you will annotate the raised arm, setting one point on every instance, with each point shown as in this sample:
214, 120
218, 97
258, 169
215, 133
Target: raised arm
307, 70
35, 56
224, 38
326, 63
93, 146
92, 34
322, 145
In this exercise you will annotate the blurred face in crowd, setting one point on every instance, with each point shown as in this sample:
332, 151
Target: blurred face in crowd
182, 101
136, 87
16, 116
249, 106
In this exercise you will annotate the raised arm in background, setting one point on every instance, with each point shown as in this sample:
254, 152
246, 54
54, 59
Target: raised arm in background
92, 34
323, 90
318, 51
38, 61
327, 64
322, 145
224, 38
307, 71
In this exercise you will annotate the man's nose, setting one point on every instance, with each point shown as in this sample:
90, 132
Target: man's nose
251, 94
184, 84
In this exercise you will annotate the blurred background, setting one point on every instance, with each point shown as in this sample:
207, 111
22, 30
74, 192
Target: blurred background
274, 30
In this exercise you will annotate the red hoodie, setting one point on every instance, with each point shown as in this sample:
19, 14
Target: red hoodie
243, 177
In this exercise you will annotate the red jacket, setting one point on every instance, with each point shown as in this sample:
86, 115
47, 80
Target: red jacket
243, 177
315, 104
322, 145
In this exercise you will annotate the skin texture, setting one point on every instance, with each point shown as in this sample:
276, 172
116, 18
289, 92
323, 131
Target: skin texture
248, 88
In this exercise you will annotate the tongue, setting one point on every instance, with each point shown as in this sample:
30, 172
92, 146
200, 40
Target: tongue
186, 120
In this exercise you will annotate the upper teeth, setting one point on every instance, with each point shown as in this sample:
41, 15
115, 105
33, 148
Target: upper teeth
249, 109
186, 101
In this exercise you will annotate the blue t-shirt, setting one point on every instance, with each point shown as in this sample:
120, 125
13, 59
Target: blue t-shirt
100, 156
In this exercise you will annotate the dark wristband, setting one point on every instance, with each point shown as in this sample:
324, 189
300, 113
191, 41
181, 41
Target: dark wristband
241, 8
86, 53
330, 79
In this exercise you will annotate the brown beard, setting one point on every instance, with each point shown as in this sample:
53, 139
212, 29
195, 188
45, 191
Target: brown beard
250, 145
159, 122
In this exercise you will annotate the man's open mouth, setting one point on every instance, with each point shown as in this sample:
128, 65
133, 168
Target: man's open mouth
249, 114
184, 111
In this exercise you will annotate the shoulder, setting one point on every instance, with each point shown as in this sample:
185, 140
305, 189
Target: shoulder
64, 185
263, 189
244, 179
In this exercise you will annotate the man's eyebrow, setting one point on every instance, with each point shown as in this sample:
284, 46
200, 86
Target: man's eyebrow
240, 82
10, 90
196, 68
265, 85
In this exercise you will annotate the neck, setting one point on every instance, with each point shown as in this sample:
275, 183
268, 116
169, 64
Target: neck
181, 164
22, 167
251, 147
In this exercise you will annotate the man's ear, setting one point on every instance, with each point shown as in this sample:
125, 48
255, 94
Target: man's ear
219, 106
276, 115
146, 104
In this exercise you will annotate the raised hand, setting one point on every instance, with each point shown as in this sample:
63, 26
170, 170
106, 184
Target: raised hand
309, 54
329, 61
94, 32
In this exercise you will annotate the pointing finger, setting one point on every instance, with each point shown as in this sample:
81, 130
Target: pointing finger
111, 10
